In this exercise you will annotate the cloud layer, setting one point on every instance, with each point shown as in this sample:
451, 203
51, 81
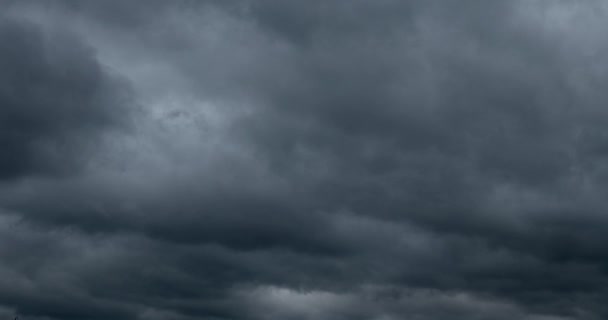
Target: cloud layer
265, 160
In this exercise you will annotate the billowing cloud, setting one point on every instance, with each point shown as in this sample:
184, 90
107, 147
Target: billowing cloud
56, 97
267, 160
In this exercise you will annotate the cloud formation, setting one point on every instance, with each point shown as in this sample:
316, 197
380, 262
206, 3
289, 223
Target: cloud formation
55, 98
265, 160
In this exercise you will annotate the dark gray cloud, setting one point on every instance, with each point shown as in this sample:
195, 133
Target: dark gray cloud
55, 98
303, 160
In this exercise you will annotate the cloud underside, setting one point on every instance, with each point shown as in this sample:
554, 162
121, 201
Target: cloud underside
265, 160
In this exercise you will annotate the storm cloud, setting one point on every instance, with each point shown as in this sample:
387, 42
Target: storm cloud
323, 159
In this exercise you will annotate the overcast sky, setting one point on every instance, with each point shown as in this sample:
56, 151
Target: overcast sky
303, 160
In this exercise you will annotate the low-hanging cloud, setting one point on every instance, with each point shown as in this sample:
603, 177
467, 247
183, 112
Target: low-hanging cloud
267, 160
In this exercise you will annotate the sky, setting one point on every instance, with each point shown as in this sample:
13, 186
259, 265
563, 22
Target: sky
303, 160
